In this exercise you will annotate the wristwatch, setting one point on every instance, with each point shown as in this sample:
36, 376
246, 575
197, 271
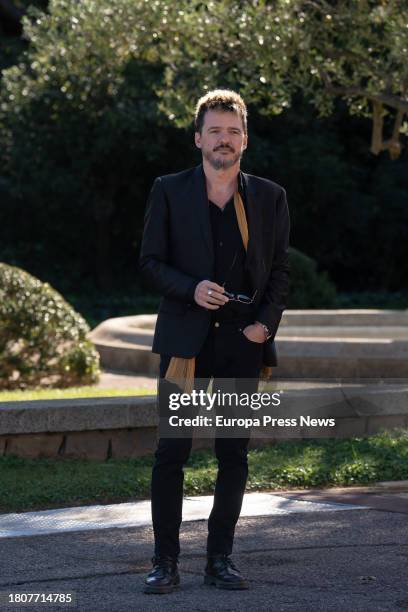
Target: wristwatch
266, 330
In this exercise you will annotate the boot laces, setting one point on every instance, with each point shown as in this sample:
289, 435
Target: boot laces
228, 561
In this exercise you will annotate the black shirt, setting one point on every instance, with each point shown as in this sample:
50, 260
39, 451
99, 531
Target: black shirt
230, 254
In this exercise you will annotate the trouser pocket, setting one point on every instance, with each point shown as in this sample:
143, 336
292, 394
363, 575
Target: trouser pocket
250, 342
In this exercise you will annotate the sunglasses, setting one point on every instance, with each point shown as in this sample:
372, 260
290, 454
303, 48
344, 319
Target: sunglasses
240, 297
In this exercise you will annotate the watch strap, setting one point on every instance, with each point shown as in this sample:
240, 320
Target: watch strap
266, 330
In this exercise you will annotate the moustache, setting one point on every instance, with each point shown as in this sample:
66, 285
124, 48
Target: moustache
224, 149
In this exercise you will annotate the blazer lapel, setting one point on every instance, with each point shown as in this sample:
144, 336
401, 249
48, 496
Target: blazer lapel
203, 213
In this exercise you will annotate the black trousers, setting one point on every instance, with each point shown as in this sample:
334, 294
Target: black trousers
227, 353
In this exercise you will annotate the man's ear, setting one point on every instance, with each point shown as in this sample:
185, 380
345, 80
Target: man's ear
245, 144
197, 139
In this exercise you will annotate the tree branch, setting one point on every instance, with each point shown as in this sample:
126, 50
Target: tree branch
393, 144
378, 144
389, 100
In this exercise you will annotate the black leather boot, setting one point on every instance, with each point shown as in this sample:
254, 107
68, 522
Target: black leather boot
221, 571
164, 577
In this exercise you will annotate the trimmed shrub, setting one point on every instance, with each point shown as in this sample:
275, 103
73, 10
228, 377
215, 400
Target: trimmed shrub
43, 341
309, 288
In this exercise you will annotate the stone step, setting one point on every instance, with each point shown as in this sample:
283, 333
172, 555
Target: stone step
99, 428
344, 331
315, 343
346, 317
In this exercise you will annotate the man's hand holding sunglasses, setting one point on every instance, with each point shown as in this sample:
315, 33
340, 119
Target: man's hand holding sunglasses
210, 295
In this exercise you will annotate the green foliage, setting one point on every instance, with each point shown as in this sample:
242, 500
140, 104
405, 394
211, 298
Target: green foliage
297, 463
271, 50
42, 339
358, 50
72, 392
231, 44
309, 288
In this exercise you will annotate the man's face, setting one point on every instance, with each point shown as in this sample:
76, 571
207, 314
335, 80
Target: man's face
222, 139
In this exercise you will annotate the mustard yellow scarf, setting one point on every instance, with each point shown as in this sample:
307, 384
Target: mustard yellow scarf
182, 370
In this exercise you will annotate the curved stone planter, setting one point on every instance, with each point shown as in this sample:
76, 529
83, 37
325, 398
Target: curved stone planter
310, 344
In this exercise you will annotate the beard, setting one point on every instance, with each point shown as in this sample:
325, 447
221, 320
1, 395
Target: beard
221, 163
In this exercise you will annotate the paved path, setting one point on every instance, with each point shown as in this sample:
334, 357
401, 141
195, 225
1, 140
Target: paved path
138, 514
325, 561
348, 560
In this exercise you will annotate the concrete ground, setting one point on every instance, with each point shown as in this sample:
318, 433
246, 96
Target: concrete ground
348, 560
138, 513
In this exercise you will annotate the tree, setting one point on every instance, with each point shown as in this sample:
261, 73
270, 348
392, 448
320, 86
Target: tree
74, 112
358, 51
87, 112
271, 50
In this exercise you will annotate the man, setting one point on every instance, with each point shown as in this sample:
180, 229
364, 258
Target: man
215, 245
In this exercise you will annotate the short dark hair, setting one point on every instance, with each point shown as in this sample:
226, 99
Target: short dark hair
224, 100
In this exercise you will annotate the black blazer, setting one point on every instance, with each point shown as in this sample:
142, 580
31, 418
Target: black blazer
177, 253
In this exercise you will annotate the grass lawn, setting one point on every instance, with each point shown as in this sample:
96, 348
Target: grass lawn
71, 392
50, 483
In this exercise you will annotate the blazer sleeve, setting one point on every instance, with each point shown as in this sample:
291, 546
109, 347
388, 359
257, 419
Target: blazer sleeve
154, 252
273, 301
